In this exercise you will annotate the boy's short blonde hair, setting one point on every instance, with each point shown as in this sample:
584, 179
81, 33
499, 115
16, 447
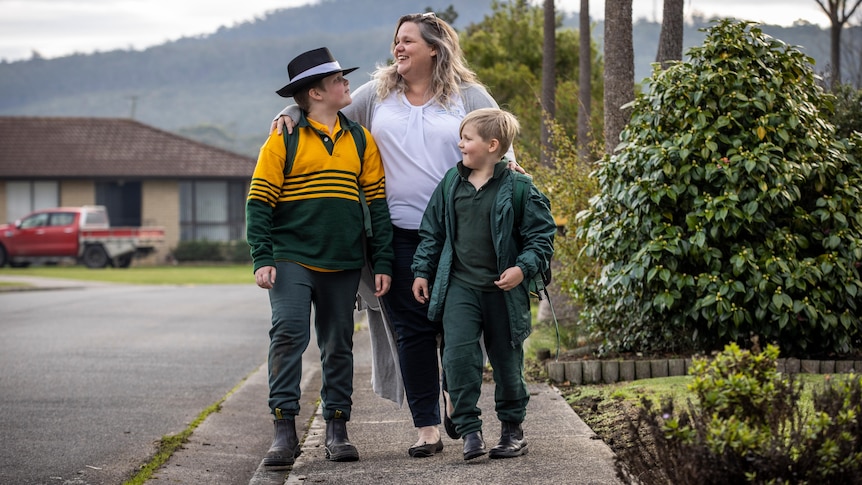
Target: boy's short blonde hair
493, 123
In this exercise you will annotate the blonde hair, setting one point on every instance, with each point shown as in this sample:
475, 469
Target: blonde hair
450, 67
493, 123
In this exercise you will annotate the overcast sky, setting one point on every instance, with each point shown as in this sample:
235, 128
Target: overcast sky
56, 28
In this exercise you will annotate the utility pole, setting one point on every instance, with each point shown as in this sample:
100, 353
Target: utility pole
134, 102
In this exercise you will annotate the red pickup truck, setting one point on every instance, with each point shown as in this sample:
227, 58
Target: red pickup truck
79, 234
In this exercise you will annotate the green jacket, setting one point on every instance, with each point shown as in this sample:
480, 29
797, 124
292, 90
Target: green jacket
529, 246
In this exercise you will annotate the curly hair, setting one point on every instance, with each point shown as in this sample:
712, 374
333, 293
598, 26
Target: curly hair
450, 67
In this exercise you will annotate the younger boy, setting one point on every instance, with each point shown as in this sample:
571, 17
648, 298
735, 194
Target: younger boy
482, 259
305, 227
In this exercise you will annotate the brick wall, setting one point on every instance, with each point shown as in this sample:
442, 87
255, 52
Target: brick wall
75, 193
160, 206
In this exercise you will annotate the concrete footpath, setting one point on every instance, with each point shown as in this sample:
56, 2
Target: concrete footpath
231, 443
228, 447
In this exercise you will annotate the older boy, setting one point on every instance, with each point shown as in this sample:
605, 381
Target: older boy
482, 259
305, 228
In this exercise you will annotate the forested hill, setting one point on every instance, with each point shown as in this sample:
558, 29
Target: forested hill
220, 88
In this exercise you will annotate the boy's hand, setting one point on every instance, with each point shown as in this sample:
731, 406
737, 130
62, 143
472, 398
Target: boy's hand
265, 277
510, 278
382, 282
282, 122
420, 290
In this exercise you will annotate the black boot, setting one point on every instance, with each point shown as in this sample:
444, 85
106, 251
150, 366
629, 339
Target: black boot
512, 442
337, 446
474, 445
285, 446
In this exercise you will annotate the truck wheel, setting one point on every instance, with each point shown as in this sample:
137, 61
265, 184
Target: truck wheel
3, 258
95, 257
123, 261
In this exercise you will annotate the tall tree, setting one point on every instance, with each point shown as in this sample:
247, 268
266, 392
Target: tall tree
549, 81
505, 50
670, 38
584, 81
619, 77
839, 12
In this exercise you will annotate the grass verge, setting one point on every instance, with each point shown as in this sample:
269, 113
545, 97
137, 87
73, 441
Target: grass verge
171, 443
143, 275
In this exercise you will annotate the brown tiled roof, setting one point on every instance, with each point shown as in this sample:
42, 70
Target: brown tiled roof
36, 147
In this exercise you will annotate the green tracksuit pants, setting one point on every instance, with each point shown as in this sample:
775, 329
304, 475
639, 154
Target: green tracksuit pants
469, 317
333, 295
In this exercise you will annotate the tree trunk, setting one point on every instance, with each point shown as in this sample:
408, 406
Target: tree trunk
584, 82
670, 39
619, 69
838, 15
549, 80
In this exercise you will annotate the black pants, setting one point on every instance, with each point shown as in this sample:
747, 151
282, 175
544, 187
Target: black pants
417, 336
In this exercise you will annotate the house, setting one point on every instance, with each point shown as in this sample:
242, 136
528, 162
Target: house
143, 175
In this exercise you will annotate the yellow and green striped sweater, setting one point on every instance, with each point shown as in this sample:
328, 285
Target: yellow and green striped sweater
312, 215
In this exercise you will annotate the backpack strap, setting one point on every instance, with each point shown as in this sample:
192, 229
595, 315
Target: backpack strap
360, 141
521, 188
291, 144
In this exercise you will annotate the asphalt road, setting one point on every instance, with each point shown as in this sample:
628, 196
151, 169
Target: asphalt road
91, 378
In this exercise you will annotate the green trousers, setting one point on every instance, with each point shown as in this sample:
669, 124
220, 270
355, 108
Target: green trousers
333, 295
470, 317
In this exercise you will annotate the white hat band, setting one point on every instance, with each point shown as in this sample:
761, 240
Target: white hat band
322, 68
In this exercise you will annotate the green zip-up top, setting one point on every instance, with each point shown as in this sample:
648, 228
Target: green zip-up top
529, 246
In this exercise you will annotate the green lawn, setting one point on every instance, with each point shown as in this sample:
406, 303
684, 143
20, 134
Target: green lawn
146, 275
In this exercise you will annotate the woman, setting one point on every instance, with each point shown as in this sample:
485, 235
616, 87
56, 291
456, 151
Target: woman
413, 109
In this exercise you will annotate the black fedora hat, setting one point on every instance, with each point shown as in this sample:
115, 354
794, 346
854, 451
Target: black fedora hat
309, 67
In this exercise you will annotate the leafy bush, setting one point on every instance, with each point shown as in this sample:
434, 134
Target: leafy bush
238, 252
847, 117
202, 250
749, 428
568, 185
729, 209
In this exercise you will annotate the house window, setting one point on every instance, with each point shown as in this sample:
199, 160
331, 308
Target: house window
24, 197
212, 210
123, 201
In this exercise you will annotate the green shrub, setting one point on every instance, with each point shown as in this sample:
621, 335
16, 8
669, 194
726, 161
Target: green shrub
847, 117
212, 251
729, 209
238, 252
749, 427
568, 185
202, 250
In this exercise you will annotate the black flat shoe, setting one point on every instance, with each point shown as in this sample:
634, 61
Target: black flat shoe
425, 450
474, 445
